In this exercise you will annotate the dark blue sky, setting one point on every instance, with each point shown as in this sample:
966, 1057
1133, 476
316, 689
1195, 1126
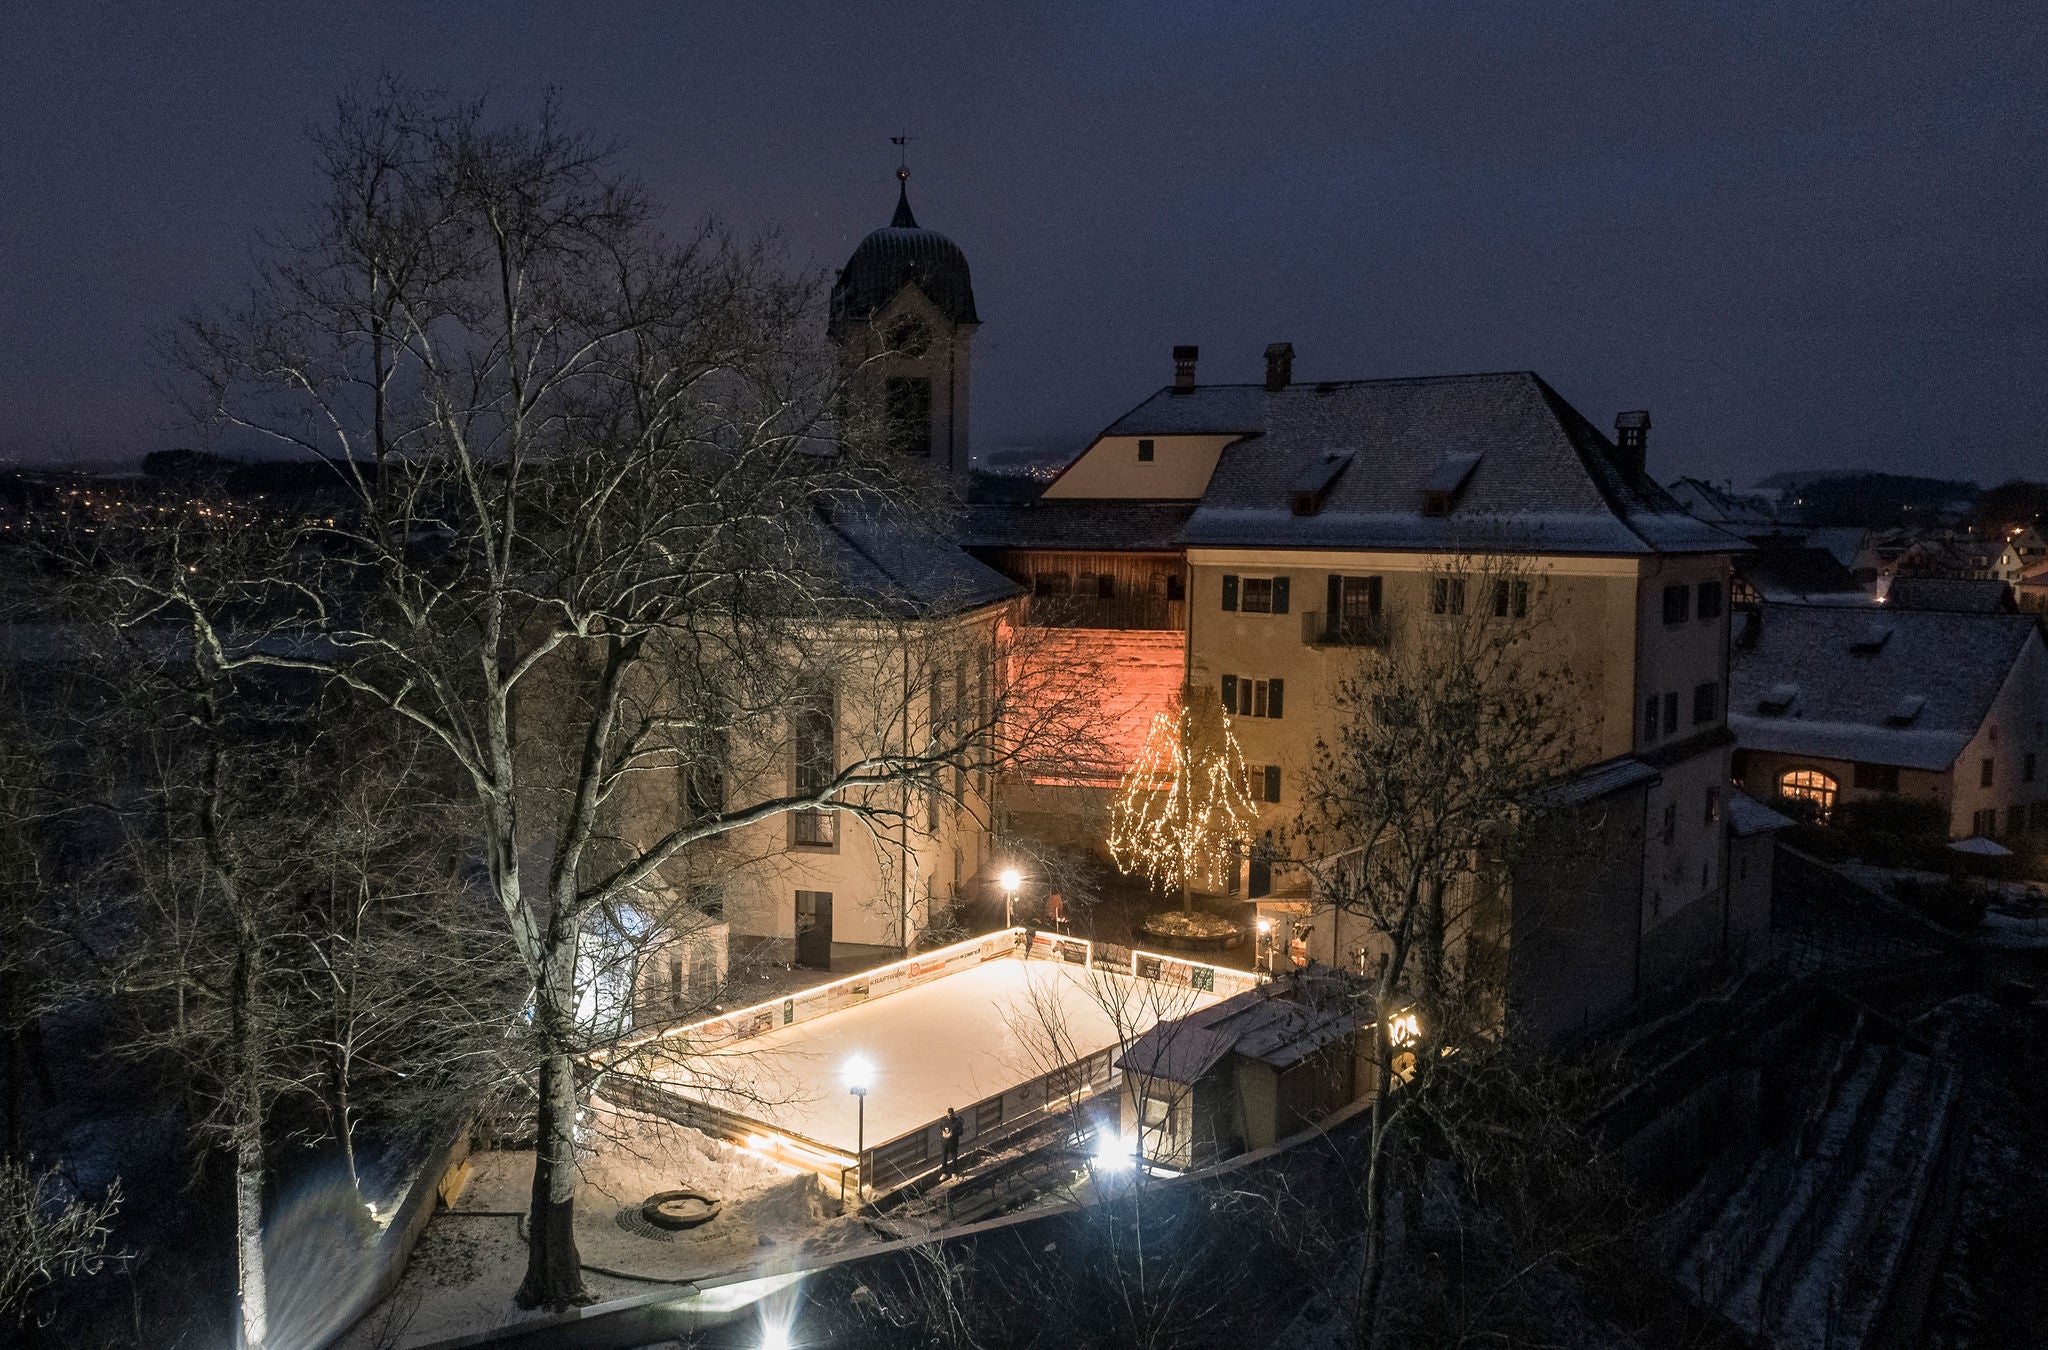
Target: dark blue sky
1802, 234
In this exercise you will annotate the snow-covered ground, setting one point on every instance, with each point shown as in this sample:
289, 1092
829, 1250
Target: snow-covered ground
469, 1261
951, 1042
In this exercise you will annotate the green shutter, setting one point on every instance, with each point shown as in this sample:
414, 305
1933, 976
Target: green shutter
1229, 592
1279, 595
1230, 693
1273, 697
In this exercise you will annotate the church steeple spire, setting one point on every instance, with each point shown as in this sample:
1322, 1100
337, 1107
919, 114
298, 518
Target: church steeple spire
903, 220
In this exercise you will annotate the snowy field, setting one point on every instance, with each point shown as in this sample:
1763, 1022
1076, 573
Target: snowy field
951, 1042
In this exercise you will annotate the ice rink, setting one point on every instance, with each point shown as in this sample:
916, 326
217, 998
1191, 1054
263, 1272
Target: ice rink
951, 1042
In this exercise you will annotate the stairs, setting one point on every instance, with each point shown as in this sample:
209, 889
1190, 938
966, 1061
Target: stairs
1801, 1250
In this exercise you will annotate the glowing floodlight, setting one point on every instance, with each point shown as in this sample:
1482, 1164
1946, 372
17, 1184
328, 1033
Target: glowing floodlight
859, 1075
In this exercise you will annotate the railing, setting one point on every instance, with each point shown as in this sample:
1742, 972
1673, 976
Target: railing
1319, 628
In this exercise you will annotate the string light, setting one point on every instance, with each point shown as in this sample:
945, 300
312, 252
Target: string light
1184, 809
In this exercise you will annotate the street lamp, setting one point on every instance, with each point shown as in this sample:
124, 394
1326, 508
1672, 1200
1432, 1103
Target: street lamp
1266, 942
1011, 880
859, 1074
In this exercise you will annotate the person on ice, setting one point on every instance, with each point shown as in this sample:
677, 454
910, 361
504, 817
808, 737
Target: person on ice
949, 1145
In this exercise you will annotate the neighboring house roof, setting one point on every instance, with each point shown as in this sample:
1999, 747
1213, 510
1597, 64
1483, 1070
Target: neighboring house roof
1845, 543
904, 568
1908, 688
1956, 594
1720, 505
1748, 817
1545, 479
1258, 1024
1076, 523
1604, 779
897, 255
1798, 574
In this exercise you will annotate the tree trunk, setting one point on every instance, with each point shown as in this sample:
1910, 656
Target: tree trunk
1372, 1258
253, 1295
554, 1269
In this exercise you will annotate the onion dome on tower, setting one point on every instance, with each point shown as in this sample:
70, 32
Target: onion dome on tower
898, 255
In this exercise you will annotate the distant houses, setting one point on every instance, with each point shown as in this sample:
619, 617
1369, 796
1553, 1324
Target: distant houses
1831, 705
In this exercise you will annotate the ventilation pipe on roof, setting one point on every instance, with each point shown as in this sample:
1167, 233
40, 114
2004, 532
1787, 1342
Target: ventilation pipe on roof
1632, 440
1279, 366
1184, 368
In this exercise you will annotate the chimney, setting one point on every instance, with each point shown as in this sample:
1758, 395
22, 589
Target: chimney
1184, 368
1632, 440
1279, 366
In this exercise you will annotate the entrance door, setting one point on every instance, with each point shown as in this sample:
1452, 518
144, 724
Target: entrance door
814, 929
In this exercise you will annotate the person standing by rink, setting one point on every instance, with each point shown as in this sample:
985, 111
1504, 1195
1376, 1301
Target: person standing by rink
949, 1145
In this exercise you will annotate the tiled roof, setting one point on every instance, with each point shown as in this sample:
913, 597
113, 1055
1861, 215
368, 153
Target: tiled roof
1848, 680
1546, 480
1796, 573
1958, 595
1257, 1024
905, 568
1073, 523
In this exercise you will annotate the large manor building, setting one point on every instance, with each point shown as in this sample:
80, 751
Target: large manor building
1248, 539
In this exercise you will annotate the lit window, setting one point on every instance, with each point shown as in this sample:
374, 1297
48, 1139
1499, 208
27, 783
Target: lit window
1809, 785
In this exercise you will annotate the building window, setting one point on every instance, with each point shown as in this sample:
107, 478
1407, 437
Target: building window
1985, 822
1984, 772
1176, 587
1270, 783
817, 762
2016, 820
1710, 600
1651, 721
1671, 714
1050, 585
1262, 595
1706, 702
1145, 449
1809, 786
1877, 777
1510, 599
1677, 603
1447, 595
1247, 697
907, 407
704, 778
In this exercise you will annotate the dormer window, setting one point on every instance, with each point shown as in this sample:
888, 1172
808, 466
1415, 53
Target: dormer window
1872, 639
1306, 497
1779, 700
1446, 483
1905, 711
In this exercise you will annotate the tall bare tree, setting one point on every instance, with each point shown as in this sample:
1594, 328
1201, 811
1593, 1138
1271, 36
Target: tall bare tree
1434, 783
597, 519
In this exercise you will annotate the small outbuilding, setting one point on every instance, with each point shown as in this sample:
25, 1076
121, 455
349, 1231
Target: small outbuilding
1241, 1074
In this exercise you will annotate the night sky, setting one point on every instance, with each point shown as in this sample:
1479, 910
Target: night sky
1803, 235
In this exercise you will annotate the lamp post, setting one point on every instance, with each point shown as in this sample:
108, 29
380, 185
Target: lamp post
1266, 943
1011, 880
859, 1073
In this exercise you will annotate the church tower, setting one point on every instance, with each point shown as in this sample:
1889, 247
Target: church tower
903, 311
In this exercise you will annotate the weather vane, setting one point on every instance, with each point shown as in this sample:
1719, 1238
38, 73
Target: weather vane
902, 155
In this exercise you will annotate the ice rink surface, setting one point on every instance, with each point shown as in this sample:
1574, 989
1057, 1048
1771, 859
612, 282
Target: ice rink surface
951, 1042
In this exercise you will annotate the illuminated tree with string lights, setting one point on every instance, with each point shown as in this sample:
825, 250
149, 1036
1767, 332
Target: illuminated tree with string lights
1184, 810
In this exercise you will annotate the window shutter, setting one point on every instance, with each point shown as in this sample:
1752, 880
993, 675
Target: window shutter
1374, 591
1229, 592
1272, 782
1333, 606
1230, 693
1273, 697
1279, 595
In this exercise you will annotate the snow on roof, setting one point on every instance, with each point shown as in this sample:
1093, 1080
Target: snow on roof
1748, 817
1808, 683
1258, 1024
1538, 477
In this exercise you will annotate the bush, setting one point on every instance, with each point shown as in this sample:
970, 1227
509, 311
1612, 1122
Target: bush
1954, 903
